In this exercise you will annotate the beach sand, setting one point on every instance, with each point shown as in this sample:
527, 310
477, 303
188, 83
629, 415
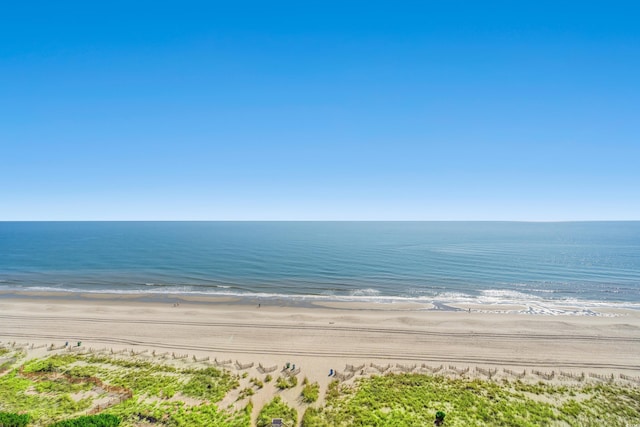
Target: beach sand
324, 336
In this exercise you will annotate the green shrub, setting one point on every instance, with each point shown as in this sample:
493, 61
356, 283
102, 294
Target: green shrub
101, 420
277, 409
85, 371
144, 382
9, 419
313, 418
257, 382
210, 384
285, 383
50, 364
310, 392
246, 392
129, 363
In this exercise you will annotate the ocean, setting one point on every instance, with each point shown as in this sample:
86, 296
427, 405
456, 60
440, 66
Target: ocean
568, 267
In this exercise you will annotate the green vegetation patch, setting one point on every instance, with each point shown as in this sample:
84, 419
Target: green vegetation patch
129, 363
210, 384
44, 389
133, 412
50, 364
284, 383
9, 419
149, 379
413, 400
14, 398
61, 385
101, 420
277, 409
53, 390
310, 392
40, 406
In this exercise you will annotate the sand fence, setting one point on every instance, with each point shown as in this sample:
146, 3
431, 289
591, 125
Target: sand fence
515, 374
349, 371
406, 368
353, 368
459, 371
431, 369
380, 368
266, 370
291, 372
222, 363
489, 373
344, 376
242, 366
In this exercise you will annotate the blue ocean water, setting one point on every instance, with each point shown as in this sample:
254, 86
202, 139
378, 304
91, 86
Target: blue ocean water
482, 262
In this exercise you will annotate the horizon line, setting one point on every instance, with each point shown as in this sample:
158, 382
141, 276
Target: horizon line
324, 220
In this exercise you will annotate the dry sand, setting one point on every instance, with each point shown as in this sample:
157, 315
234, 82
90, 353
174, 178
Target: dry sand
330, 336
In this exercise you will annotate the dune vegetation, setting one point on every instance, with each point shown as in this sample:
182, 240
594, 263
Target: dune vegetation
414, 399
71, 389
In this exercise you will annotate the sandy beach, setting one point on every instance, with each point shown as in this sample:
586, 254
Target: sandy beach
318, 338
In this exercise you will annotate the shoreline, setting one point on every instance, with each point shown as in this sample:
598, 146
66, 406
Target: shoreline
385, 303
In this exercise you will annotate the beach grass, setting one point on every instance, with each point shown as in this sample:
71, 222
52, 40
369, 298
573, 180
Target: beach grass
67, 386
277, 409
414, 399
56, 388
310, 391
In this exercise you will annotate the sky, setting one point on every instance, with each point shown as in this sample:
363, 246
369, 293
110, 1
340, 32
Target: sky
305, 110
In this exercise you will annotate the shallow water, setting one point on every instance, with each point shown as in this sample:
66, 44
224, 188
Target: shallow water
590, 264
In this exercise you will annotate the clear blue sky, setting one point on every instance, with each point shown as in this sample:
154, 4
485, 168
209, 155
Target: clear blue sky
320, 110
